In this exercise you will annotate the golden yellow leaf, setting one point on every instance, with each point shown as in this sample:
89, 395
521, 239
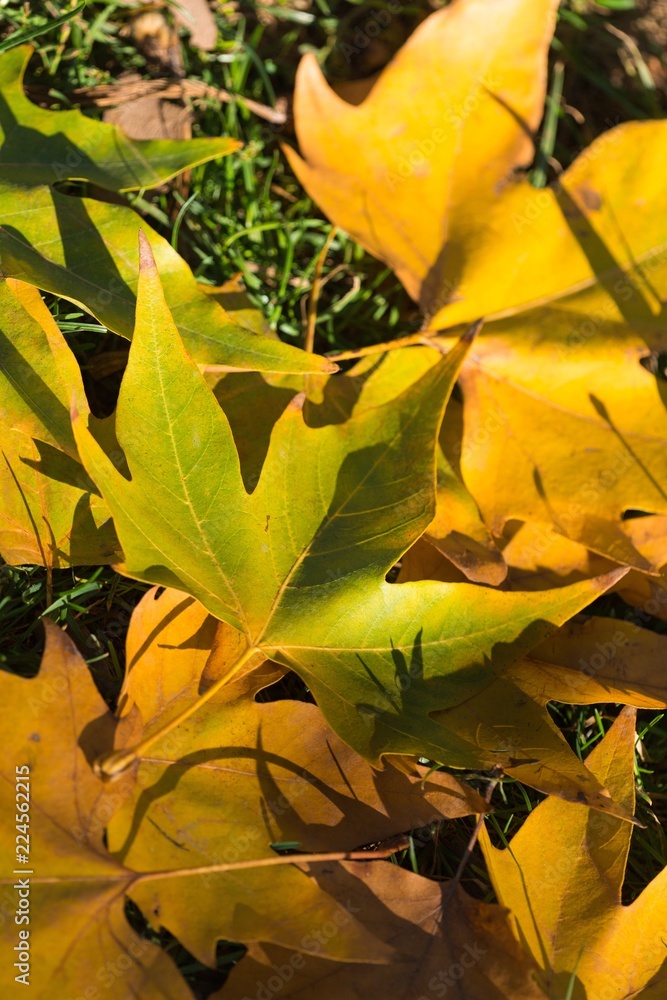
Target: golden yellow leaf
53, 725
50, 512
240, 776
444, 941
570, 279
172, 642
562, 448
444, 126
561, 877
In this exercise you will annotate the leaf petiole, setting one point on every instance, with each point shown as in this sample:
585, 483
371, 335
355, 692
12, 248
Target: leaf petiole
113, 764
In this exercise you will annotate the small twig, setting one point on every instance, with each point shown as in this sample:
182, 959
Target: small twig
309, 340
108, 95
356, 285
643, 71
388, 345
49, 586
471, 845
424, 338
282, 193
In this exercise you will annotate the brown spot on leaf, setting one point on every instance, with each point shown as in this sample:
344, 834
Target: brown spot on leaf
297, 402
591, 199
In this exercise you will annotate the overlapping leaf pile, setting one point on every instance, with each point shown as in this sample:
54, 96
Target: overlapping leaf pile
86, 251
268, 498
571, 287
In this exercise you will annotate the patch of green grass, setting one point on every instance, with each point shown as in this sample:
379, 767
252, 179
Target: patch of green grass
93, 604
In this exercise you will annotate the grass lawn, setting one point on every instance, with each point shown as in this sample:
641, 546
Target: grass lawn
248, 215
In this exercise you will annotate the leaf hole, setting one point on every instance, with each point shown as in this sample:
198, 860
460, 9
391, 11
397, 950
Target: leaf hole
655, 363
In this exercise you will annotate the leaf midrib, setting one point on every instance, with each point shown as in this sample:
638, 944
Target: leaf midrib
324, 525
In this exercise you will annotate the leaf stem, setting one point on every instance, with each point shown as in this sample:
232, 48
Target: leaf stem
396, 844
425, 338
309, 342
113, 764
280, 859
389, 345
451, 888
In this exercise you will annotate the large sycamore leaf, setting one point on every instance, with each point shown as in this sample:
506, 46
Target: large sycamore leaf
50, 511
298, 566
86, 250
566, 901
444, 126
55, 726
78, 934
577, 303
548, 435
240, 776
587, 660
446, 944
